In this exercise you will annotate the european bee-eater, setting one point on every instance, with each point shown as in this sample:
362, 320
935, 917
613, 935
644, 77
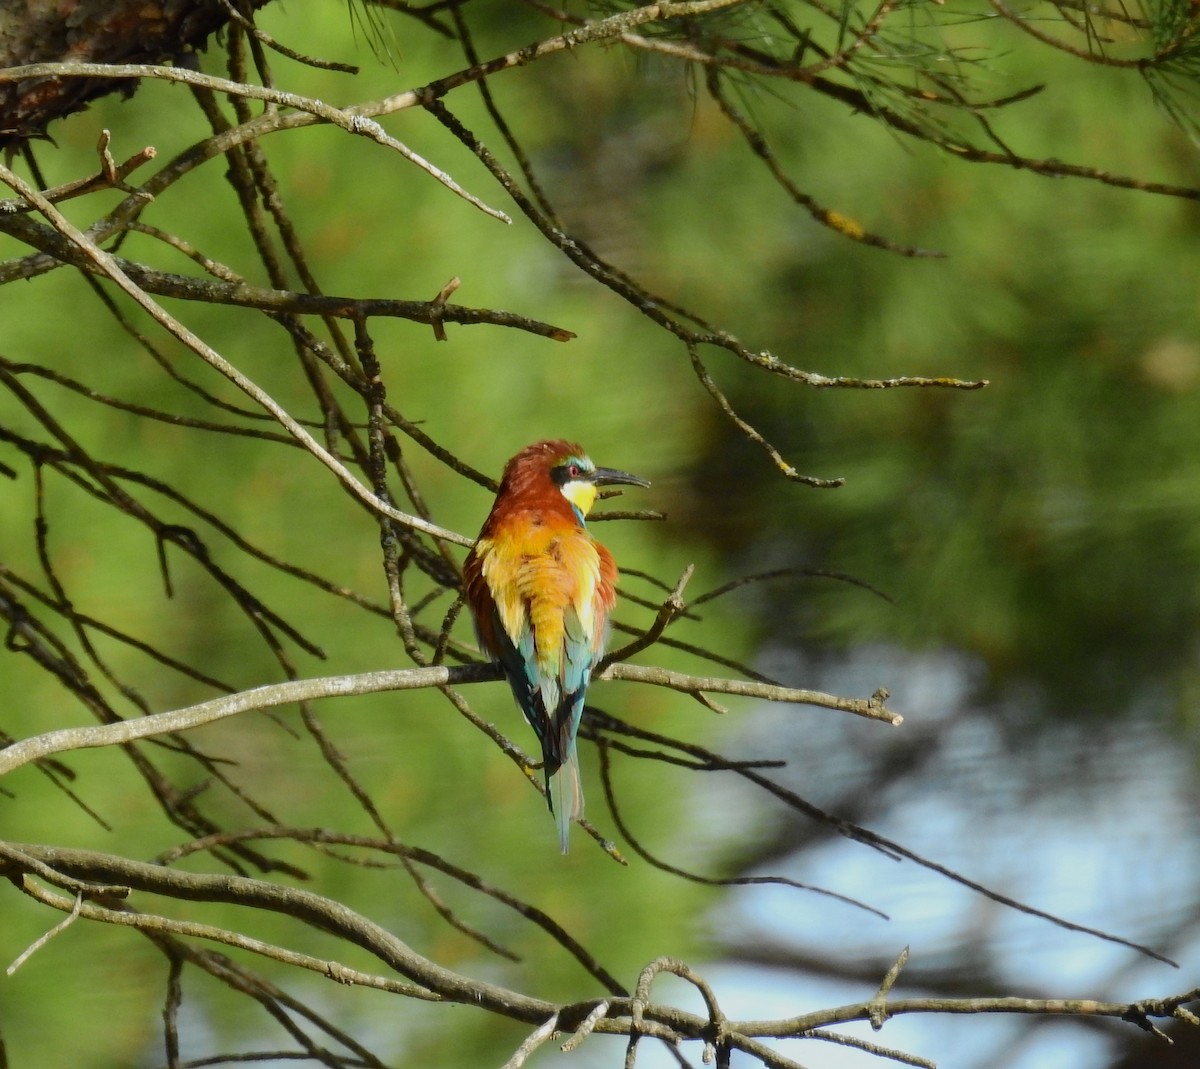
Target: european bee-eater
541, 588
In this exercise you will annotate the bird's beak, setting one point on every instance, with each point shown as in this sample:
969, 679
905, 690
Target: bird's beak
607, 476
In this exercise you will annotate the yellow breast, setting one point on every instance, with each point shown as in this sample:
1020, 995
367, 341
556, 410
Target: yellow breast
536, 573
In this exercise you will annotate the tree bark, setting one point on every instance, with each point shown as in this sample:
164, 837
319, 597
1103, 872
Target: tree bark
94, 31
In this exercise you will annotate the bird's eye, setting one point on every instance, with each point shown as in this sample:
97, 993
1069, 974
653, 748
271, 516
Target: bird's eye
574, 471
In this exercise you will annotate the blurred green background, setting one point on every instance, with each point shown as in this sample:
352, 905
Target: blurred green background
1039, 539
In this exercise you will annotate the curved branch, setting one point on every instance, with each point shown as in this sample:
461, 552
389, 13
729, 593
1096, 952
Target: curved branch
243, 295
108, 265
628, 1016
303, 690
671, 608
333, 970
349, 121
267, 697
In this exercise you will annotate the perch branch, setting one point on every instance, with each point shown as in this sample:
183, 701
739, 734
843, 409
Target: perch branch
302, 690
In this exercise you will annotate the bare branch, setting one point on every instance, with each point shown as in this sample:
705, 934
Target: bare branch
352, 122
632, 1016
267, 697
879, 1013
42, 940
872, 708
303, 690
333, 970
534, 1040
107, 263
672, 607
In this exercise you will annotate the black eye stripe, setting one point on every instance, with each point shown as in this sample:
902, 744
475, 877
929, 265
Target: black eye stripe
569, 471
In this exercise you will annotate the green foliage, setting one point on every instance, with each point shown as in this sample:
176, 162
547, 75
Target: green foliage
1067, 490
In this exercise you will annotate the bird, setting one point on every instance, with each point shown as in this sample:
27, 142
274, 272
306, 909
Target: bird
541, 589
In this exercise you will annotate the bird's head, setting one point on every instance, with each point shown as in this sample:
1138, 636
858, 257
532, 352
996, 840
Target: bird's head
568, 469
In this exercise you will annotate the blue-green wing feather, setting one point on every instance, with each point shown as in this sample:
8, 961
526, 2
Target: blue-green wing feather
552, 702
553, 705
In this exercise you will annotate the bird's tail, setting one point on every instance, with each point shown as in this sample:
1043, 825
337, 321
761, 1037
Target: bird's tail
564, 792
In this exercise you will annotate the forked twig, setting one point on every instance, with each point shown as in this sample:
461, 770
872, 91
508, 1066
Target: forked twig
45, 938
670, 608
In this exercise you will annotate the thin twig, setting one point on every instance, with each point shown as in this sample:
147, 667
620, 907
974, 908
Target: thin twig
531, 1043
585, 1029
108, 265
879, 1002
354, 122
43, 939
335, 971
711, 881
673, 606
